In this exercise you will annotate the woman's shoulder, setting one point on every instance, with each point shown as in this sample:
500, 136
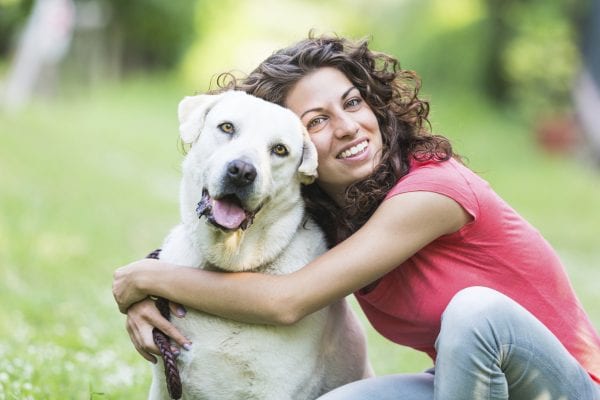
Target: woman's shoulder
449, 177
434, 175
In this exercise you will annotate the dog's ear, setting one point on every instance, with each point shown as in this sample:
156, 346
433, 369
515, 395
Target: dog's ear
308, 167
192, 113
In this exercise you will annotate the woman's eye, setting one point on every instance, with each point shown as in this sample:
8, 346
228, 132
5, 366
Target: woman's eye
353, 102
280, 150
227, 127
315, 122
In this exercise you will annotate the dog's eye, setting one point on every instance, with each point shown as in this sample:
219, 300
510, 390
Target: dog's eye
280, 150
227, 127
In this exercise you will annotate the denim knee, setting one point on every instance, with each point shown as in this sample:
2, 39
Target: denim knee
469, 313
473, 303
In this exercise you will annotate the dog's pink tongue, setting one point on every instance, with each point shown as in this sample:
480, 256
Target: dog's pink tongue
228, 214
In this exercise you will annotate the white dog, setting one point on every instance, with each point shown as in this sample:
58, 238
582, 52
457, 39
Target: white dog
243, 173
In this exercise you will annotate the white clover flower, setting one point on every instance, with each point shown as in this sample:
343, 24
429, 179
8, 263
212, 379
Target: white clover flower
122, 376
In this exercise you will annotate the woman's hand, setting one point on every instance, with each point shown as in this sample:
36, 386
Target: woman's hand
142, 318
130, 281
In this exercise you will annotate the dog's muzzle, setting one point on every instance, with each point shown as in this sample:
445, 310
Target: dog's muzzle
226, 210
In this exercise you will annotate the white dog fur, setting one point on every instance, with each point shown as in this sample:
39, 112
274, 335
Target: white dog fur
232, 360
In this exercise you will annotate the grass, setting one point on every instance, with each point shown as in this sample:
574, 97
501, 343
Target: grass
89, 183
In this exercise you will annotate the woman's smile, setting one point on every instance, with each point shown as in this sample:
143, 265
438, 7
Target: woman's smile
355, 151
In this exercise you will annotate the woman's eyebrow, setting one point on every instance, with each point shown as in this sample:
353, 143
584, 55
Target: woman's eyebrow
311, 110
342, 97
347, 92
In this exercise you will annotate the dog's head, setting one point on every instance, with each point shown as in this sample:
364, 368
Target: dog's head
244, 152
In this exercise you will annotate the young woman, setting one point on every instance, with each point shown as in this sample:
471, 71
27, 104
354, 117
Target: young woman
435, 258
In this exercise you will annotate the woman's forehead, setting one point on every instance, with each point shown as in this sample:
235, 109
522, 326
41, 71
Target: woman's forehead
317, 89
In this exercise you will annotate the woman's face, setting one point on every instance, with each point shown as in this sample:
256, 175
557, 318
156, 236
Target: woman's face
341, 125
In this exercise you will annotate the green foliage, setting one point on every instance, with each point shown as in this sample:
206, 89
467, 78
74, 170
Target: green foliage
445, 42
541, 58
149, 34
12, 16
236, 36
154, 33
519, 52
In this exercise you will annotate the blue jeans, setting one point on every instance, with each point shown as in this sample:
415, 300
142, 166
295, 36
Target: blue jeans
489, 347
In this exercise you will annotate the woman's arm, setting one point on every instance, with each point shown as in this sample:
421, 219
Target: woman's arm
399, 228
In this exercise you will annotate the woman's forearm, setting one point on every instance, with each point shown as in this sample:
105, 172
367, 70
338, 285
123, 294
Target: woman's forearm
247, 297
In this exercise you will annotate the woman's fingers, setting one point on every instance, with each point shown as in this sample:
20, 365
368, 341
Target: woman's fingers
136, 336
169, 329
140, 326
147, 356
142, 318
177, 309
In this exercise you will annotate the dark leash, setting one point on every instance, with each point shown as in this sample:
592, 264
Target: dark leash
164, 344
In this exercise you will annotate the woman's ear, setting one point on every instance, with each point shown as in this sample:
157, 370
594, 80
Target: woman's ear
192, 113
307, 171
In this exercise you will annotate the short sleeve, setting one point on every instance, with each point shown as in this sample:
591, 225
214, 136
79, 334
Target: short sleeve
448, 178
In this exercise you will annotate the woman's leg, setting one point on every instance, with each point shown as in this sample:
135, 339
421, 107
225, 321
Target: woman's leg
490, 347
389, 387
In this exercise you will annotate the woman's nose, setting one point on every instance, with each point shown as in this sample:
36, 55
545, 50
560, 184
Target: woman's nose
345, 125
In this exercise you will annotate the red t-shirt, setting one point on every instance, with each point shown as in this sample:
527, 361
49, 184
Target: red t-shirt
498, 250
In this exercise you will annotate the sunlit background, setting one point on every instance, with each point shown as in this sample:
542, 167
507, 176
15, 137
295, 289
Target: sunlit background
89, 152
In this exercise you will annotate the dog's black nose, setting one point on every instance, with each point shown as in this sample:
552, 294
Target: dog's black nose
241, 173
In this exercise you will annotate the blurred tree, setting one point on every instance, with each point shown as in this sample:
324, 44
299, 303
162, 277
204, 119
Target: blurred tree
13, 14
519, 52
233, 35
590, 41
41, 47
151, 33
444, 41
499, 36
533, 54
586, 93
127, 35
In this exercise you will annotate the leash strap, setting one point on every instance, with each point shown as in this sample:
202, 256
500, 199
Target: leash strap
164, 345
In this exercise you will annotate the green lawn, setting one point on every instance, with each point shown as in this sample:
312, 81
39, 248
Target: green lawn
90, 183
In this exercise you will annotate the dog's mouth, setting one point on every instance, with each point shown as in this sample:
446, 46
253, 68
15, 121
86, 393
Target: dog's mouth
225, 213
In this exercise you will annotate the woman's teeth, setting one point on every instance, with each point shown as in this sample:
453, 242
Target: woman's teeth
353, 150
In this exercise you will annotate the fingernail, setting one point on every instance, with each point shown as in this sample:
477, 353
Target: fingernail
180, 311
187, 346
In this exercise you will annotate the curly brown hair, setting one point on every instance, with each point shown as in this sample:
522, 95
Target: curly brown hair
392, 94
